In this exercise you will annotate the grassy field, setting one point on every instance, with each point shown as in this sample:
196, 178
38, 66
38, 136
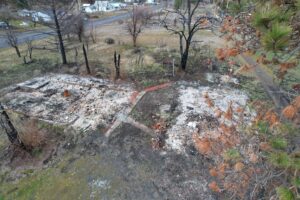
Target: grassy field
154, 46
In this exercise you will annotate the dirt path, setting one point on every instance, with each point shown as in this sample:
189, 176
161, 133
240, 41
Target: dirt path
272, 89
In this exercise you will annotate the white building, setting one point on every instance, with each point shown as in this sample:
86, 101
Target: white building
99, 6
39, 16
117, 5
36, 16
150, 1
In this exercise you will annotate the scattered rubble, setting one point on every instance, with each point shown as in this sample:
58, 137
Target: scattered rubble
80, 102
198, 116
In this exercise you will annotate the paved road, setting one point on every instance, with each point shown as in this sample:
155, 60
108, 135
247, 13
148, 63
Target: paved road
37, 35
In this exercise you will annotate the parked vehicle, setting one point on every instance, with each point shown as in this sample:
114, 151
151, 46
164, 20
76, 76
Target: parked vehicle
3, 25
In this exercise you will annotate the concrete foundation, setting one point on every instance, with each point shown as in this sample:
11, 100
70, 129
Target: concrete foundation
83, 103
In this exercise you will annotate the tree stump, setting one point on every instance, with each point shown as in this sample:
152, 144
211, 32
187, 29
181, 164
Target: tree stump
7, 126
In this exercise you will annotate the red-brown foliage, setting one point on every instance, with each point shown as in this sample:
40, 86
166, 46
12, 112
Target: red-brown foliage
229, 113
214, 186
289, 112
203, 146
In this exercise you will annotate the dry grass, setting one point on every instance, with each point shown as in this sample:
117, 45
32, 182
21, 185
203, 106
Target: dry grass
100, 54
33, 136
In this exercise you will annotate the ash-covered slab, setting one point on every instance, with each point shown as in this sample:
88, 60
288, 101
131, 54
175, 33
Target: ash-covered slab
80, 102
33, 84
197, 115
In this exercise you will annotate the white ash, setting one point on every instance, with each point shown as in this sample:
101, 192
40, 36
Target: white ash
192, 102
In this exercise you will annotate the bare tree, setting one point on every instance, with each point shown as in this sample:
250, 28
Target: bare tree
12, 40
139, 16
92, 34
29, 48
78, 27
117, 60
6, 14
187, 24
86, 59
62, 15
29, 52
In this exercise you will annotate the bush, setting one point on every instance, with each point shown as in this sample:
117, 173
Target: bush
109, 41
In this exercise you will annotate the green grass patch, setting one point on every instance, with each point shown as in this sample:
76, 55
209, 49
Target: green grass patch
232, 155
284, 193
280, 159
21, 72
279, 143
147, 71
262, 127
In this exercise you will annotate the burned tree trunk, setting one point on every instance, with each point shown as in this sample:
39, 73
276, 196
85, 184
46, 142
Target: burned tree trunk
7, 126
86, 60
59, 35
12, 40
117, 59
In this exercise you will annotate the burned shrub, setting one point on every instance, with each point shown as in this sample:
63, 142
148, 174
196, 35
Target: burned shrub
109, 41
32, 136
